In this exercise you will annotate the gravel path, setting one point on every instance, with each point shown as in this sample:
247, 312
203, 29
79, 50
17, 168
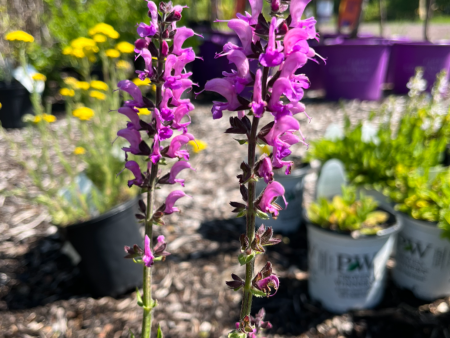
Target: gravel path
43, 295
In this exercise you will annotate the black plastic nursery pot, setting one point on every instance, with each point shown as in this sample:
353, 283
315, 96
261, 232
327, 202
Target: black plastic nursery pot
15, 100
347, 273
100, 243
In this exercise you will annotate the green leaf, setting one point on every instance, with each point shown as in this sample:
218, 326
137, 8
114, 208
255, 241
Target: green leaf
245, 259
241, 142
258, 293
242, 213
235, 334
139, 298
157, 259
261, 214
159, 334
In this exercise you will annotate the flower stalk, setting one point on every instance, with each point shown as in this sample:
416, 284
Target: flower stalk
285, 52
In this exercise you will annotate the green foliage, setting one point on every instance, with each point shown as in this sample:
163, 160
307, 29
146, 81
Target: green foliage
418, 139
346, 213
423, 197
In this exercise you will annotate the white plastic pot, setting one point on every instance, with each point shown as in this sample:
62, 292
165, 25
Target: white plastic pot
422, 260
289, 219
347, 273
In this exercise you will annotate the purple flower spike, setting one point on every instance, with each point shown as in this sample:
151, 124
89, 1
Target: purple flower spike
244, 32
131, 113
227, 90
272, 57
270, 194
171, 199
145, 30
134, 91
171, 178
180, 37
174, 149
148, 255
258, 105
136, 170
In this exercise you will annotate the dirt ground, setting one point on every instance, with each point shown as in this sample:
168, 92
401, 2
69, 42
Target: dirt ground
43, 295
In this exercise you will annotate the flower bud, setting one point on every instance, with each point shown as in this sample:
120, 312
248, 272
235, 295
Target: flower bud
275, 6
174, 16
166, 34
140, 44
165, 49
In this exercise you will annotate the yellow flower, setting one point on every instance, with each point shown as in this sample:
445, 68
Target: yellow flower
82, 85
122, 64
67, 92
97, 95
19, 36
143, 111
83, 43
100, 85
79, 151
125, 47
138, 82
99, 38
39, 77
265, 149
1, 105
154, 88
112, 53
198, 145
71, 81
67, 50
49, 118
83, 113
78, 53
92, 58
36, 119
105, 29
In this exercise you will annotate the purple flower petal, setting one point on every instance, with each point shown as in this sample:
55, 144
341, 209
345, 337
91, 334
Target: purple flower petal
136, 170
171, 199
148, 255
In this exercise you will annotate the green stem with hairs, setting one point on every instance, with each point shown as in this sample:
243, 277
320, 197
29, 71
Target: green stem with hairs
250, 218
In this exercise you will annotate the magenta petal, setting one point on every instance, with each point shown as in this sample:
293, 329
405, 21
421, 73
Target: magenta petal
295, 41
133, 90
133, 137
244, 32
265, 170
145, 30
272, 57
226, 89
136, 170
271, 281
171, 199
148, 255
131, 113
180, 37
175, 170
292, 63
153, 12
296, 8
272, 191
256, 6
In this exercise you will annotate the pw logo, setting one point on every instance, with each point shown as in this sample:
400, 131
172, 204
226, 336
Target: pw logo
413, 247
355, 262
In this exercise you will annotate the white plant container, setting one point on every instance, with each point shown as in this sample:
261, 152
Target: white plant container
347, 273
289, 219
422, 260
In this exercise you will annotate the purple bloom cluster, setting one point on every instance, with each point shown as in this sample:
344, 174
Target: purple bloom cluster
280, 47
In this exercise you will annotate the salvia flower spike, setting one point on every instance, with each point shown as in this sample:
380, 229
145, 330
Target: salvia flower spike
278, 88
151, 138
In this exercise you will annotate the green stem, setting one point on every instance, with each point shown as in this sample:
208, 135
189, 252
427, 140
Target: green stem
250, 219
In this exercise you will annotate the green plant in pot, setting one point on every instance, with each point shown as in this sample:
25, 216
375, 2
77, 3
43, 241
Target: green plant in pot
413, 133
423, 245
350, 240
72, 169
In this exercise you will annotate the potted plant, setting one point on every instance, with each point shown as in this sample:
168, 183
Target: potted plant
412, 133
350, 241
423, 247
14, 97
74, 169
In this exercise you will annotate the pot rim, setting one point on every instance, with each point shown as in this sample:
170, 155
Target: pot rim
396, 226
110, 213
419, 221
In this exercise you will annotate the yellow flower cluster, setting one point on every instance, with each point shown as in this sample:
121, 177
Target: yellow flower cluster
83, 113
81, 47
112, 53
99, 85
105, 29
79, 151
122, 64
125, 47
97, 95
138, 82
82, 85
67, 92
19, 36
198, 145
39, 77
46, 117
70, 81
